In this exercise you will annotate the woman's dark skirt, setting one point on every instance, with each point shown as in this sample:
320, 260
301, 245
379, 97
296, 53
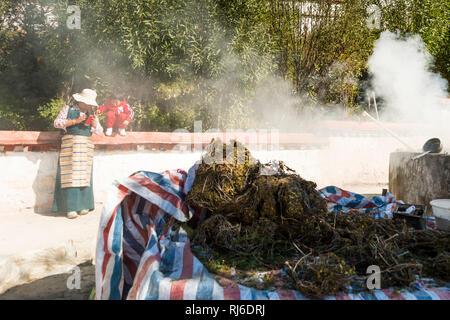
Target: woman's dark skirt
72, 199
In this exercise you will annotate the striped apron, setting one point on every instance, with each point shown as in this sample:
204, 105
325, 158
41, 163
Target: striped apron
76, 158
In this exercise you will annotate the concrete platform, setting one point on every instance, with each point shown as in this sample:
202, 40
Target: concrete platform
34, 246
419, 180
54, 287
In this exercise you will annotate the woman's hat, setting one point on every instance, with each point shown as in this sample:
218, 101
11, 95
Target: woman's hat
87, 96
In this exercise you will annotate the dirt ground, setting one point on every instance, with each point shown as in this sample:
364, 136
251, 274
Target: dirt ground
55, 287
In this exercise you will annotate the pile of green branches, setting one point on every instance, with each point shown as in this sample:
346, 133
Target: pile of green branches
265, 222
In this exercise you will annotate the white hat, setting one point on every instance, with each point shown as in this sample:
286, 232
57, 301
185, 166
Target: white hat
87, 96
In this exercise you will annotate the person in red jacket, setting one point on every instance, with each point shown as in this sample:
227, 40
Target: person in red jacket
118, 114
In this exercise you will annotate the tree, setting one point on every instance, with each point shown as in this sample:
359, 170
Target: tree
184, 60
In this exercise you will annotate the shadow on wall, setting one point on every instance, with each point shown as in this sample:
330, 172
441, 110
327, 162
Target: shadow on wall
44, 182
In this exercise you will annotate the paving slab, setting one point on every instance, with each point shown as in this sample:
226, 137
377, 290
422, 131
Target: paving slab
54, 287
34, 246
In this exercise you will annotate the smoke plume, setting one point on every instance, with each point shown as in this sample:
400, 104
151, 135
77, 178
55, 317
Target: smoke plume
402, 76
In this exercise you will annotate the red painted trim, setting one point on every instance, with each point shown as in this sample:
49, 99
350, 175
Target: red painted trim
28, 138
359, 126
161, 141
150, 140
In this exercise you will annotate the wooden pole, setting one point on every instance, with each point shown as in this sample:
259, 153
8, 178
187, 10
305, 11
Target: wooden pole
375, 104
388, 131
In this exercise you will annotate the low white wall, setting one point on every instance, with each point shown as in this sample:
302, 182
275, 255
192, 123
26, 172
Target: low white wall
28, 178
359, 164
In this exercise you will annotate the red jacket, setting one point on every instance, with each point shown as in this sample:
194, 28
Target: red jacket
123, 107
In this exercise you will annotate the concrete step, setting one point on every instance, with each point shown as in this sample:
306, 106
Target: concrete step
34, 246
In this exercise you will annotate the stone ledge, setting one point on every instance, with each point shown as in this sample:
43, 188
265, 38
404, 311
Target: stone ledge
315, 135
20, 269
34, 246
23, 141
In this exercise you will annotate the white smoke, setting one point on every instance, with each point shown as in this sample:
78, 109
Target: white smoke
402, 76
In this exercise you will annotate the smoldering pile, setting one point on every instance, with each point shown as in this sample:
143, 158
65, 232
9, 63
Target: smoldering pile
255, 221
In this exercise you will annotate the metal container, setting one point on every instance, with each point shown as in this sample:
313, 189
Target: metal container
415, 219
441, 211
433, 145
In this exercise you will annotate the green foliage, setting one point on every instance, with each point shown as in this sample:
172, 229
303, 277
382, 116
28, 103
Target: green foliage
50, 111
10, 120
28, 77
323, 57
184, 60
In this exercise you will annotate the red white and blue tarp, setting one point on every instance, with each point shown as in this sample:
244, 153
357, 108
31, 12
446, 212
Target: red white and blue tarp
342, 200
140, 256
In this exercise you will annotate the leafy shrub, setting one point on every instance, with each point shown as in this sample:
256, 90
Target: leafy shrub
50, 111
10, 120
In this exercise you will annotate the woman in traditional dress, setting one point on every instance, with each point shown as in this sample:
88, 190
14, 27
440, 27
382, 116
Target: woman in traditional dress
73, 188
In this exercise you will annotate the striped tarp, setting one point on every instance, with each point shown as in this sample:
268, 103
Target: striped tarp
342, 200
140, 256
75, 160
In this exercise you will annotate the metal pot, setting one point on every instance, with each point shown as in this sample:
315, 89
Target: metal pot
433, 145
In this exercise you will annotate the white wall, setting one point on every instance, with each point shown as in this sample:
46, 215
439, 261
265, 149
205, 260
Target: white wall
28, 178
359, 164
